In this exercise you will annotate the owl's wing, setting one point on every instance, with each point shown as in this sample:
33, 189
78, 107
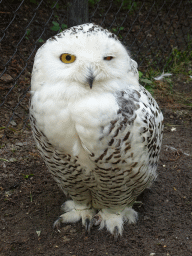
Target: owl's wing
132, 143
134, 66
64, 168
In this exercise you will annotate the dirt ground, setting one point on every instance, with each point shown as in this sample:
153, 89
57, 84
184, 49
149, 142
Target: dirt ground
30, 200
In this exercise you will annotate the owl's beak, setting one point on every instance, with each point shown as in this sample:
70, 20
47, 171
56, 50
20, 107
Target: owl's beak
90, 77
90, 80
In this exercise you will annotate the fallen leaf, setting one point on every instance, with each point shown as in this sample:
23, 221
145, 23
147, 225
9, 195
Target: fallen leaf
6, 78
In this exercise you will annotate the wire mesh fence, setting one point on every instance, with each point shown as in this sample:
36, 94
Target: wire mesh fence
151, 30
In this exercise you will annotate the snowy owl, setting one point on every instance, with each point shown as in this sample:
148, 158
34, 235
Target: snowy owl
98, 131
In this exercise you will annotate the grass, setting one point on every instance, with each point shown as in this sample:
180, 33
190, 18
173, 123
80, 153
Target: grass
179, 62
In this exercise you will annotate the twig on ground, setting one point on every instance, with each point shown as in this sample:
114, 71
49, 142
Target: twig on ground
174, 149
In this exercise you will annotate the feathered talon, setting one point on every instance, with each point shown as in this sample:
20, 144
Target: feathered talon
95, 221
74, 213
116, 233
87, 224
57, 223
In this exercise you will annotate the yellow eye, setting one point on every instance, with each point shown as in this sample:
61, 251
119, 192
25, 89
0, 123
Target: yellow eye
67, 58
108, 58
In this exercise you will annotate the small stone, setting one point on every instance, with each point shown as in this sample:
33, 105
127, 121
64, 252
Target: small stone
38, 232
66, 239
12, 160
7, 78
73, 231
13, 123
19, 144
146, 218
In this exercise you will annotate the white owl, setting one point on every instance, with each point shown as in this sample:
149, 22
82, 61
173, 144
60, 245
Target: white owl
98, 131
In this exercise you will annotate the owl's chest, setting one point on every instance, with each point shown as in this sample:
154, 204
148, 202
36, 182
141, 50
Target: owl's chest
73, 126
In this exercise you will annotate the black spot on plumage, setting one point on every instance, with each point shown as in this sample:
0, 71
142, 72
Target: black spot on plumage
101, 156
108, 158
112, 126
126, 136
134, 164
111, 142
117, 131
127, 148
117, 156
53, 38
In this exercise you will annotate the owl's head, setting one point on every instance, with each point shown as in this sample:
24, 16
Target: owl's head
87, 56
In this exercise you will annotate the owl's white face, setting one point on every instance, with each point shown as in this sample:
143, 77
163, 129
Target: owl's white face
86, 55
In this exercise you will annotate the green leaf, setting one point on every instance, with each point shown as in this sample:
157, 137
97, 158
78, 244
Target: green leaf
54, 28
55, 23
41, 40
27, 175
145, 80
140, 74
2, 159
28, 32
63, 26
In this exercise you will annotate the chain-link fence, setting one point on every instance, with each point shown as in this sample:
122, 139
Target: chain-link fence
151, 30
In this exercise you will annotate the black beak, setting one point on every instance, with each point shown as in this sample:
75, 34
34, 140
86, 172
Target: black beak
89, 77
90, 80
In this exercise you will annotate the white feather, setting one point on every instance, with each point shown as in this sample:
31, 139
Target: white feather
162, 76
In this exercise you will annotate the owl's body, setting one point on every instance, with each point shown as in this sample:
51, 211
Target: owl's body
98, 131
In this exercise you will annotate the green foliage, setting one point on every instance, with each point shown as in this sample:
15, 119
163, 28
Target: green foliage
28, 32
179, 61
57, 5
146, 82
41, 40
127, 4
27, 176
93, 2
57, 27
117, 30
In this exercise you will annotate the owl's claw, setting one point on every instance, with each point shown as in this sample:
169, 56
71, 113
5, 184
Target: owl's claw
116, 233
74, 213
57, 223
91, 224
114, 221
96, 220
87, 224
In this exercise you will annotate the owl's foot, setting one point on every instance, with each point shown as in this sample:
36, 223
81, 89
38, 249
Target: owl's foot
74, 213
113, 221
